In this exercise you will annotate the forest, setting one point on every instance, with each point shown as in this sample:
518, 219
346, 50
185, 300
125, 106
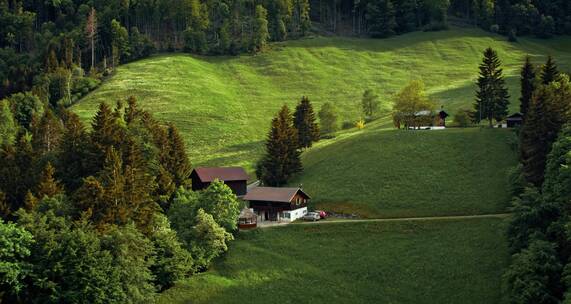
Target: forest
63, 48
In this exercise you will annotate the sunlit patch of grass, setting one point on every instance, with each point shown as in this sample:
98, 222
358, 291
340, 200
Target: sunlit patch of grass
223, 105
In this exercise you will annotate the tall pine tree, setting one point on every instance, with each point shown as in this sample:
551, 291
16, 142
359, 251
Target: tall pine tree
304, 122
48, 185
74, 153
549, 71
282, 158
527, 80
492, 98
533, 143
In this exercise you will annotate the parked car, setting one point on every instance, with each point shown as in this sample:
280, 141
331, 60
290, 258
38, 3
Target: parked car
311, 216
322, 214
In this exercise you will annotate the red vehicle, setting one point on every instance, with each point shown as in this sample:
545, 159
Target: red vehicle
322, 214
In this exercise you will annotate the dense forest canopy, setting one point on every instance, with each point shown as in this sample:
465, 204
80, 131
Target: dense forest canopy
63, 38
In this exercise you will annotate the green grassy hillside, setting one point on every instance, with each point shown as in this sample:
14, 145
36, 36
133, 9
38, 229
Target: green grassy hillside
223, 105
404, 262
397, 173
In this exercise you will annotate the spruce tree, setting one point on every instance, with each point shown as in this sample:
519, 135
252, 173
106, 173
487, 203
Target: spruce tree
282, 158
533, 143
48, 186
106, 133
304, 122
527, 81
139, 187
73, 157
549, 71
381, 18
177, 162
492, 98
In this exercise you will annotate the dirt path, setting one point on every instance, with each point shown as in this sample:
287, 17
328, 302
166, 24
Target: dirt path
404, 219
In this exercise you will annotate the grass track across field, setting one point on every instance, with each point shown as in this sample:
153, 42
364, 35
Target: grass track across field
445, 261
223, 105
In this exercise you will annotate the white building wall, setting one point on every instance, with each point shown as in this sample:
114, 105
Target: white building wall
293, 214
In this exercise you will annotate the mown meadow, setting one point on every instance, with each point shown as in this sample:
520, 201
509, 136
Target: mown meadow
395, 173
223, 105
399, 262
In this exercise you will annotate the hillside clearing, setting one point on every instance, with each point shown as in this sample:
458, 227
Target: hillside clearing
397, 173
223, 105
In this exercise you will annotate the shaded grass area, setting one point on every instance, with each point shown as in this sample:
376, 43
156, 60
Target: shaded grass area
397, 173
448, 261
223, 105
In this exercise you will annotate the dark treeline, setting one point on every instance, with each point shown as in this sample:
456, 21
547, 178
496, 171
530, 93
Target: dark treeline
539, 234
381, 18
46, 44
38, 37
542, 18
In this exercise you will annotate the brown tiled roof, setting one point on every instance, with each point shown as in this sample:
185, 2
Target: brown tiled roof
272, 194
222, 174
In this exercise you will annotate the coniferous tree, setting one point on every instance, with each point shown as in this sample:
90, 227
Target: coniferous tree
8, 127
534, 145
282, 158
527, 80
73, 157
48, 185
549, 71
304, 122
177, 162
139, 187
261, 33
381, 18
492, 98
104, 135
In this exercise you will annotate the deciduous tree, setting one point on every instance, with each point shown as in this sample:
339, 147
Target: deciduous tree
328, 118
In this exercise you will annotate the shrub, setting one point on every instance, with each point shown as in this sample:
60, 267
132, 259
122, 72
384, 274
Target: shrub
360, 124
347, 125
462, 118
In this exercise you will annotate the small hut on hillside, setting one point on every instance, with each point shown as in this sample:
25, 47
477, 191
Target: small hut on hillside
247, 219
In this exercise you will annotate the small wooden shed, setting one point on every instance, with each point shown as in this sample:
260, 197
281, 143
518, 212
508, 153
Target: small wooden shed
514, 120
247, 219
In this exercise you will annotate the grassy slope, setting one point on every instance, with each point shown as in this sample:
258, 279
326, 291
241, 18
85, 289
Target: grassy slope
391, 173
406, 262
223, 105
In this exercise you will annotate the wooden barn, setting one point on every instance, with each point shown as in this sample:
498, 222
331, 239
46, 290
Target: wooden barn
234, 177
514, 120
278, 204
440, 118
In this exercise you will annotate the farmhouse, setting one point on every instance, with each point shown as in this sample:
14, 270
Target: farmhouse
278, 204
234, 177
